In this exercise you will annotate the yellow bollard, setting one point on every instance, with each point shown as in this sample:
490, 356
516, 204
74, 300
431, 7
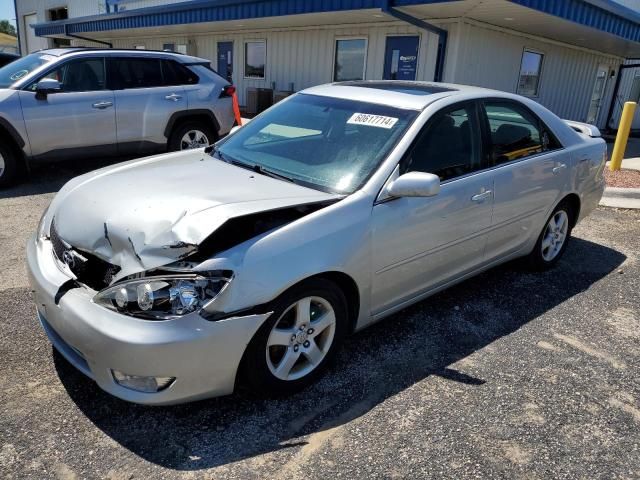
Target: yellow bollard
623, 135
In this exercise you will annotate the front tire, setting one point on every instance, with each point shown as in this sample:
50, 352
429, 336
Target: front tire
191, 135
553, 239
8, 164
299, 341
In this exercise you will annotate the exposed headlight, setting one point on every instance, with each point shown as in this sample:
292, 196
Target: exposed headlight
162, 297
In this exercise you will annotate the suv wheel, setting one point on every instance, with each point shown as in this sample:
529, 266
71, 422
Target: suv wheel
8, 164
190, 135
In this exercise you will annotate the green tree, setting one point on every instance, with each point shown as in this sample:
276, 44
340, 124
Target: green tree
6, 27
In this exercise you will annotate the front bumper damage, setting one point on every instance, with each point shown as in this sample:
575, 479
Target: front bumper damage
202, 355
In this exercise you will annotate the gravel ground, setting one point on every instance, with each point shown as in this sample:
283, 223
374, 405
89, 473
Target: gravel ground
622, 178
508, 375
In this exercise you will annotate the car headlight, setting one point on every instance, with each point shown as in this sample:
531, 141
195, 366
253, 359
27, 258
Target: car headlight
162, 297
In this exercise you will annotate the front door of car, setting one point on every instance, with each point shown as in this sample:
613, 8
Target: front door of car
77, 121
144, 103
530, 172
422, 243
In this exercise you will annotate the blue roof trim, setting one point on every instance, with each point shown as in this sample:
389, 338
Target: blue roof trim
604, 15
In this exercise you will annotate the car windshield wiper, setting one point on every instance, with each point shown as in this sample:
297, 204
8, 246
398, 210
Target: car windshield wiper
270, 173
255, 167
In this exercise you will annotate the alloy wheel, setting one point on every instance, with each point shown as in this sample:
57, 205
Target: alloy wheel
555, 235
2, 165
301, 338
194, 139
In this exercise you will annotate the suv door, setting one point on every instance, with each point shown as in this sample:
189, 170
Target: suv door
77, 121
422, 243
144, 102
530, 172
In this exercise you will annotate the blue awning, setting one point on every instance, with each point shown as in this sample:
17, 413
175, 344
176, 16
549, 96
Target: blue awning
604, 15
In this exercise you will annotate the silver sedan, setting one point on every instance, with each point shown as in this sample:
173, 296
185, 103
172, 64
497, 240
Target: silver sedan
177, 277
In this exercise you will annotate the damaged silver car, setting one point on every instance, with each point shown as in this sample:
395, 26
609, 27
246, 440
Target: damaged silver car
177, 277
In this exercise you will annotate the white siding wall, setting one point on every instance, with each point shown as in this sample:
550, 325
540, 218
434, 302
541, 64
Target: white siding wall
77, 8
488, 57
303, 56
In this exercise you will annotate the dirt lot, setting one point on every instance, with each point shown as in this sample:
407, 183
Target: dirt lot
509, 375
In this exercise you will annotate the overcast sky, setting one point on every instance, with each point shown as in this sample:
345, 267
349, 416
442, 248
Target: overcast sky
6, 11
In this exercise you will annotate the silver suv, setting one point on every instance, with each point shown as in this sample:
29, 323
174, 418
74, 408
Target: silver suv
82, 102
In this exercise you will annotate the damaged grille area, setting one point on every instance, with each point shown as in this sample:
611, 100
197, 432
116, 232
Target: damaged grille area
89, 269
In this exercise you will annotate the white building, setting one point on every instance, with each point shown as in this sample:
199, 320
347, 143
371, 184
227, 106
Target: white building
566, 54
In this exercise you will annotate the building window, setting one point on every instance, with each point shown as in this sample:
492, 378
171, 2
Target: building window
60, 13
351, 59
255, 58
530, 69
139, 47
169, 47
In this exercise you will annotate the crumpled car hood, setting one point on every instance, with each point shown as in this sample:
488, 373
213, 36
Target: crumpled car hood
147, 213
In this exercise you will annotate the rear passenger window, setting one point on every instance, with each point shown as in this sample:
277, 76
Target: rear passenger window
177, 74
449, 145
135, 73
516, 133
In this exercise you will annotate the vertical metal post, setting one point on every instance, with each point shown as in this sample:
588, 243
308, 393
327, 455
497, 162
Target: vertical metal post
623, 135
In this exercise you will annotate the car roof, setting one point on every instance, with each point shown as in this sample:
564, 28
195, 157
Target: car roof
399, 94
78, 51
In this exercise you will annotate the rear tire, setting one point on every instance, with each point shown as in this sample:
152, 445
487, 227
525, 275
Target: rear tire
295, 346
9, 164
553, 239
191, 134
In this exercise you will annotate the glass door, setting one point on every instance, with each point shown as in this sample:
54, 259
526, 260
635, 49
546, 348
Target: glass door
401, 58
598, 94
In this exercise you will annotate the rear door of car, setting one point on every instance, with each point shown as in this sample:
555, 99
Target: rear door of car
144, 102
423, 243
79, 120
530, 168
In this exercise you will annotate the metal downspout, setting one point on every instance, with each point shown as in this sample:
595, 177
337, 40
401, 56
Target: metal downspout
15, 8
73, 35
442, 35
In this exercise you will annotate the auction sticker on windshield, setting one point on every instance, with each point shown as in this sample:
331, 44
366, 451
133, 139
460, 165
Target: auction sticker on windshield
379, 121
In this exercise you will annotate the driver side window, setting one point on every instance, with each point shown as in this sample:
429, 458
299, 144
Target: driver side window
82, 75
449, 146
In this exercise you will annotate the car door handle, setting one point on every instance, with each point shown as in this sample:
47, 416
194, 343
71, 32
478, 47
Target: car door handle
481, 197
559, 168
102, 105
174, 97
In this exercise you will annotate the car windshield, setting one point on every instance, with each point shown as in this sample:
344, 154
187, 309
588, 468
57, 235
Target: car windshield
326, 143
11, 73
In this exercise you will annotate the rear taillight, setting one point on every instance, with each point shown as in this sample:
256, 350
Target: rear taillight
228, 91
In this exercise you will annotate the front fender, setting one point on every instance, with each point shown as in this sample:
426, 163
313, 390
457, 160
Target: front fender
334, 239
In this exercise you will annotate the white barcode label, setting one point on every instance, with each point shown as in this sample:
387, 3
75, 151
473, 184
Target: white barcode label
379, 121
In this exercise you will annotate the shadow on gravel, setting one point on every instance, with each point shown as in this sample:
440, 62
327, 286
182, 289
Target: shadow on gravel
50, 177
378, 363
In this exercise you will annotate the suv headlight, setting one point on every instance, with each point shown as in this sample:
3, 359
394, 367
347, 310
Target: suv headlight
162, 297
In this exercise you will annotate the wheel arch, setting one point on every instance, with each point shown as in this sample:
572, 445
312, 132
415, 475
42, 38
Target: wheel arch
198, 115
573, 200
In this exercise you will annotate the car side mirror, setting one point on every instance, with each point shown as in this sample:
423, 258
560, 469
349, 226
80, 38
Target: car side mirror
415, 184
47, 86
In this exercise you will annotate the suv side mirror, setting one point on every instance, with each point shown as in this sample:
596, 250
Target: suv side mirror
46, 86
415, 184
